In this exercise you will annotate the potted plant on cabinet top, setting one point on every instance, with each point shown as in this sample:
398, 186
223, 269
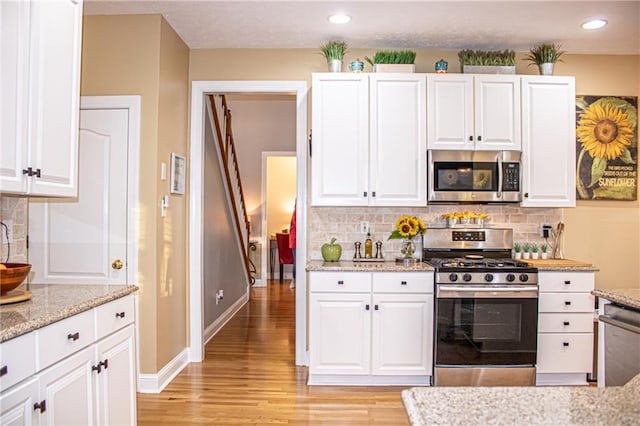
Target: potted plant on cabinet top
545, 56
393, 61
487, 62
334, 52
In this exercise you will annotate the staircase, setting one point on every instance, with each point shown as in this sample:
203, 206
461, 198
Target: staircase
231, 170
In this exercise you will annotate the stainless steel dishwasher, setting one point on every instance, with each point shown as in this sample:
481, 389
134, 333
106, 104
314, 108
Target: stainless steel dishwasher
621, 344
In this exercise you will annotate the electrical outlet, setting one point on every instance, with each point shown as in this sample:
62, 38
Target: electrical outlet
364, 227
8, 230
545, 230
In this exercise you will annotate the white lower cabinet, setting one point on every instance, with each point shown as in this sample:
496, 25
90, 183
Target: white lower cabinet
370, 328
92, 383
565, 328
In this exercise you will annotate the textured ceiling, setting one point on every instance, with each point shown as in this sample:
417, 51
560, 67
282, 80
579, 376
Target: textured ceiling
449, 25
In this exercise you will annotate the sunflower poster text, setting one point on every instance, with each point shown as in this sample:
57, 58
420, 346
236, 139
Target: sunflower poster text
607, 148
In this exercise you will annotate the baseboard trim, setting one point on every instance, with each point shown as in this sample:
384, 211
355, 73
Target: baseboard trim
217, 325
366, 380
155, 383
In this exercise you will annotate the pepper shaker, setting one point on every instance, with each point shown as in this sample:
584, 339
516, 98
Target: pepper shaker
378, 249
357, 254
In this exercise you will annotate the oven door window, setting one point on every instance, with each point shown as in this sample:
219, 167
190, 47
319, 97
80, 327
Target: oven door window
465, 176
486, 331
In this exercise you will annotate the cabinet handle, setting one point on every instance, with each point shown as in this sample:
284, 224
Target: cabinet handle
375, 307
104, 363
75, 336
42, 406
565, 344
4, 370
365, 193
97, 368
403, 283
37, 173
526, 195
567, 303
479, 138
567, 282
470, 138
566, 323
366, 307
120, 314
373, 193
340, 282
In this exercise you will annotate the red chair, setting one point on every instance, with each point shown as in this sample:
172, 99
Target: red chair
285, 255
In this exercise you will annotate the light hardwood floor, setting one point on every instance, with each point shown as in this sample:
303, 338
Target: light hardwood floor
249, 377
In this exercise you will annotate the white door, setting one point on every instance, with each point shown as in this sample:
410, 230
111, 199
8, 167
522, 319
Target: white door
82, 239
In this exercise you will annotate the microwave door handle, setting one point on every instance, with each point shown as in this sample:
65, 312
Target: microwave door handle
500, 176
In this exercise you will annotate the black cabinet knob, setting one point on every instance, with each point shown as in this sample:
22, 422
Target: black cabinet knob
42, 406
567, 303
4, 370
566, 323
73, 336
120, 314
565, 344
340, 282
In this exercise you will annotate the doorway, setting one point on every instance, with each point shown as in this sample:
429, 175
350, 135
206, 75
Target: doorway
199, 91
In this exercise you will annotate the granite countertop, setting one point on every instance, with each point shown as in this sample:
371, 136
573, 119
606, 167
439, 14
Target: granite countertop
349, 266
559, 265
51, 303
623, 296
553, 405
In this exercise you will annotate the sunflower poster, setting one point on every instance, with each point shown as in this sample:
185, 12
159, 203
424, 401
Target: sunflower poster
607, 148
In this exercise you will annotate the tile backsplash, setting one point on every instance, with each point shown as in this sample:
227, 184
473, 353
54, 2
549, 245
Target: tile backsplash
13, 210
343, 223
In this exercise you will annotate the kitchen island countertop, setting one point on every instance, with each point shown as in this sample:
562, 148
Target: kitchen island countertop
623, 296
54, 302
555, 405
349, 266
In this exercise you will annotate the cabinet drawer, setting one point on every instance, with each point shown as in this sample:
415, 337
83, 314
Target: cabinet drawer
565, 353
566, 281
17, 360
565, 323
403, 282
351, 282
114, 315
566, 302
64, 337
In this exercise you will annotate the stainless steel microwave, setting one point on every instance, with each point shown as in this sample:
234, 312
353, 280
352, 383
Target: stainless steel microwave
474, 176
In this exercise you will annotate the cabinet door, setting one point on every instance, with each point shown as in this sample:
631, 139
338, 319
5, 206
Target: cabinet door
116, 387
340, 140
402, 334
339, 333
548, 141
16, 405
398, 141
450, 111
67, 388
14, 31
54, 95
497, 112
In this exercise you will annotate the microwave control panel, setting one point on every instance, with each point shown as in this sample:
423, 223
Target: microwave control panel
511, 177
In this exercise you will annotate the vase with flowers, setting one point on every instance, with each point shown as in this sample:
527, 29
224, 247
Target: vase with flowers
408, 228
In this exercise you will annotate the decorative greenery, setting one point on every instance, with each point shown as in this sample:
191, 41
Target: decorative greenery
544, 248
526, 248
483, 57
392, 57
517, 248
544, 53
534, 248
334, 50
408, 227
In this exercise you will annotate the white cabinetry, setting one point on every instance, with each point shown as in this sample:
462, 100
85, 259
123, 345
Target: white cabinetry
370, 328
84, 372
369, 140
473, 112
40, 84
565, 327
548, 141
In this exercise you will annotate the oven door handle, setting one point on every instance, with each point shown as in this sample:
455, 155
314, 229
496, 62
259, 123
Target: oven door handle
487, 292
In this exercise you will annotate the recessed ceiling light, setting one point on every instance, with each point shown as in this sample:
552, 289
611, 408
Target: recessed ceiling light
594, 24
339, 18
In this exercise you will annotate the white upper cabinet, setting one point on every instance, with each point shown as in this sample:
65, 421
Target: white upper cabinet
41, 77
548, 141
473, 112
369, 140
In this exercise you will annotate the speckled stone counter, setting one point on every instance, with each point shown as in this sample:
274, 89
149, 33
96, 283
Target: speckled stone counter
524, 405
623, 296
51, 303
560, 265
348, 266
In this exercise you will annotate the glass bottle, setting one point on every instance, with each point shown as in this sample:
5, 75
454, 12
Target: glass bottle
368, 247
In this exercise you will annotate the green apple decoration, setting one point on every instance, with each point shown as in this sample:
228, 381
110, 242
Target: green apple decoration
331, 252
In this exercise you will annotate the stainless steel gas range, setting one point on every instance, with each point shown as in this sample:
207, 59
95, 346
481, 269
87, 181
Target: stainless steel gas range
486, 308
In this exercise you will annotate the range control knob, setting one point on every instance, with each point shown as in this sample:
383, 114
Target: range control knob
488, 277
466, 277
453, 277
511, 278
524, 278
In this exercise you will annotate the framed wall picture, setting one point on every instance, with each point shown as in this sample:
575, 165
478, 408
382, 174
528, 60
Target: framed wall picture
178, 172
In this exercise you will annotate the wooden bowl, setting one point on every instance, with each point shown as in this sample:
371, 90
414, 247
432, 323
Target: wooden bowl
13, 276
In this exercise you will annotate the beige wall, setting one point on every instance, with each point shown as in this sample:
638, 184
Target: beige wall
141, 55
281, 192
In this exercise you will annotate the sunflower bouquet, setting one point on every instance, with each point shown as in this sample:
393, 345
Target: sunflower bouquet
408, 227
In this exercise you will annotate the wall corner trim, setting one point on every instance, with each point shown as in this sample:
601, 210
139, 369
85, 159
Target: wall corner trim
155, 383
